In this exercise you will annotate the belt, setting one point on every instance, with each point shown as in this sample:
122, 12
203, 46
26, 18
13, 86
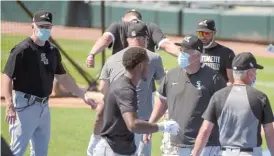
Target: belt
36, 99
241, 149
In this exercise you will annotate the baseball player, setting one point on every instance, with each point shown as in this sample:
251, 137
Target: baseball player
31, 68
215, 55
239, 110
120, 111
115, 37
113, 69
185, 92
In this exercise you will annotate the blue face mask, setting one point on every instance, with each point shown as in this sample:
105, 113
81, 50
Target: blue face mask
252, 83
44, 34
183, 59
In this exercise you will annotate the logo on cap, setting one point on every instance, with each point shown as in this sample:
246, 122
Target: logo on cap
203, 23
46, 16
187, 38
133, 33
251, 64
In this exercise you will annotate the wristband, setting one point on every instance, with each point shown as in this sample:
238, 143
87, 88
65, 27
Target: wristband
161, 127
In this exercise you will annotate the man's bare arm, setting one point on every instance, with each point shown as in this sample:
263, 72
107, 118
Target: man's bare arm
170, 47
102, 43
67, 81
7, 86
138, 126
230, 77
202, 137
269, 135
159, 109
103, 87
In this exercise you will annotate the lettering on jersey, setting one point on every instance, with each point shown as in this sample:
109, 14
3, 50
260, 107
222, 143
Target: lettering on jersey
211, 61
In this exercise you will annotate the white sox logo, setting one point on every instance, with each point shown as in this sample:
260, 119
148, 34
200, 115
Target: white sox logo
203, 23
187, 38
44, 58
198, 85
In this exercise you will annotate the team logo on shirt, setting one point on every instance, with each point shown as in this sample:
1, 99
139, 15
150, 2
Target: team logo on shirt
198, 85
44, 58
187, 38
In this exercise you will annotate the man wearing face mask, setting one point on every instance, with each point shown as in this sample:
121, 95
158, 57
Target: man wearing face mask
215, 55
239, 111
29, 71
185, 92
122, 99
113, 69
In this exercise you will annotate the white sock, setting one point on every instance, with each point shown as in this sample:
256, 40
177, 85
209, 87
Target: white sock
94, 139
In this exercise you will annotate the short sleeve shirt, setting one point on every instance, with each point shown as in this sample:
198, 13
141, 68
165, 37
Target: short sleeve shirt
113, 69
118, 31
243, 109
120, 98
32, 67
187, 98
219, 58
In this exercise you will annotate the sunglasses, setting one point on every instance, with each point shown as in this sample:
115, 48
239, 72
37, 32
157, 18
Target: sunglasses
202, 33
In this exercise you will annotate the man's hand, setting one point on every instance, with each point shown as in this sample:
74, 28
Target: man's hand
147, 138
90, 102
169, 126
229, 84
10, 114
90, 61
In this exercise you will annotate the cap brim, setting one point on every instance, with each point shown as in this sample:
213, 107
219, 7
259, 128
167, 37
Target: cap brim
204, 30
183, 45
43, 23
259, 66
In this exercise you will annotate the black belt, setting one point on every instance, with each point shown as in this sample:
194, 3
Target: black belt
37, 99
241, 149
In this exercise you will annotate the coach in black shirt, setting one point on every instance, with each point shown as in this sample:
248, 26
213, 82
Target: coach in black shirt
185, 92
31, 67
239, 111
215, 55
116, 34
119, 118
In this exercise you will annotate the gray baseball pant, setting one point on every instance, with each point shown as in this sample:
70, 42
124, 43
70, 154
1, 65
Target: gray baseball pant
103, 149
32, 124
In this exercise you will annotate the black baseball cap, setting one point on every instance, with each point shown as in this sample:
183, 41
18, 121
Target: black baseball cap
206, 25
136, 29
135, 11
42, 17
191, 42
244, 61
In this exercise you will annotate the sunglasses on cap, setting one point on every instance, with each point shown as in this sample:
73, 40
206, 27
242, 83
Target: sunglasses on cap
202, 34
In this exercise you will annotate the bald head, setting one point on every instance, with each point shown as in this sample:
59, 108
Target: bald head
131, 15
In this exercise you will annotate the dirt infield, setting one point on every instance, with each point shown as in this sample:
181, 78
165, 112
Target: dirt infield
60, 32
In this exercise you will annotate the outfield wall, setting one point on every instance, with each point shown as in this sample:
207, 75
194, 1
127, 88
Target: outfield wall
237, 24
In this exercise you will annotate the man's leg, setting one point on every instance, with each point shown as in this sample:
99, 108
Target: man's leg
26, 122
210, 151
103, 149
95, 137
142, 148
41, 135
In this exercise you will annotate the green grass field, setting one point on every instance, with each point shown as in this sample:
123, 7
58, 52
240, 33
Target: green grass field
71, 127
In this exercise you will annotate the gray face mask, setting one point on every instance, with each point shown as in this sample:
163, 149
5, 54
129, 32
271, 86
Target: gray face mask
211, 43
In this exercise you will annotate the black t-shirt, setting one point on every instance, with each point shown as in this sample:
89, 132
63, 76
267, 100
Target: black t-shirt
118, 30
219, 58
243, 109
187, 98
121, 98
32, 67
